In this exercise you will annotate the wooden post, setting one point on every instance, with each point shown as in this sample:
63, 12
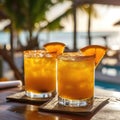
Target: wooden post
74, 26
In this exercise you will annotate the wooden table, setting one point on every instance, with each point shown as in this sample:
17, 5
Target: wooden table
20, 111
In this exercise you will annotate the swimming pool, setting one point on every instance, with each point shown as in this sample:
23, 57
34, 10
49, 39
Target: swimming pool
107, 85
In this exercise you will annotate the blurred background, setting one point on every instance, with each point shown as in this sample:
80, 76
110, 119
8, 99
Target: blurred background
29, 24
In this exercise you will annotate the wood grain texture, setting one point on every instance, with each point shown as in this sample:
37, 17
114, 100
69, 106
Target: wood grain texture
53, 106
22, 98
23, 111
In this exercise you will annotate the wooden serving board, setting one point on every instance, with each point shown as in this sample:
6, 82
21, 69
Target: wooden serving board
53, 106
22, 98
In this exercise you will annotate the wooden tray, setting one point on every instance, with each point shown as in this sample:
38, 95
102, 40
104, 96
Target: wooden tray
22, 98
53, 106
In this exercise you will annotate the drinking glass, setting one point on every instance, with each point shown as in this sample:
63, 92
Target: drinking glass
39, 73
75, 79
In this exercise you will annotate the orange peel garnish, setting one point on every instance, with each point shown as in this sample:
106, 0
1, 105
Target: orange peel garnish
55, 48
97, 50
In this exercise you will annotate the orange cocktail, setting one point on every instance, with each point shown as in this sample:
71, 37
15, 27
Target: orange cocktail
76, 72
76, 79
40, 73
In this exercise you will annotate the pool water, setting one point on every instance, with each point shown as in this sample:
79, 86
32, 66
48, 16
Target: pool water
107, 85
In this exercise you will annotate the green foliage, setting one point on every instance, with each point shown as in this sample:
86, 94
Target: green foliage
85, 9
24, 14
55, 24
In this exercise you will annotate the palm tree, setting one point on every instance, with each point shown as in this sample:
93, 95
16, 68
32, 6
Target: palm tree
89, 24
91, 11
87, 9
23, 15
75, 24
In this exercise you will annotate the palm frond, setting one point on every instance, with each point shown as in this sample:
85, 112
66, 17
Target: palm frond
85, 9
57, 20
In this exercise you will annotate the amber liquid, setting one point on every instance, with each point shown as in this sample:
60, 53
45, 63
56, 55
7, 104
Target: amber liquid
76, 79
40, 74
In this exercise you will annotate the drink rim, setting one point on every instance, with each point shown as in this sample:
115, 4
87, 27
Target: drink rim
33, 51
74, 56
38, 53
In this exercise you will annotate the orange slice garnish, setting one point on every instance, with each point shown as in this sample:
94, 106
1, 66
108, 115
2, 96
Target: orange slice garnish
55, 48
97, 50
